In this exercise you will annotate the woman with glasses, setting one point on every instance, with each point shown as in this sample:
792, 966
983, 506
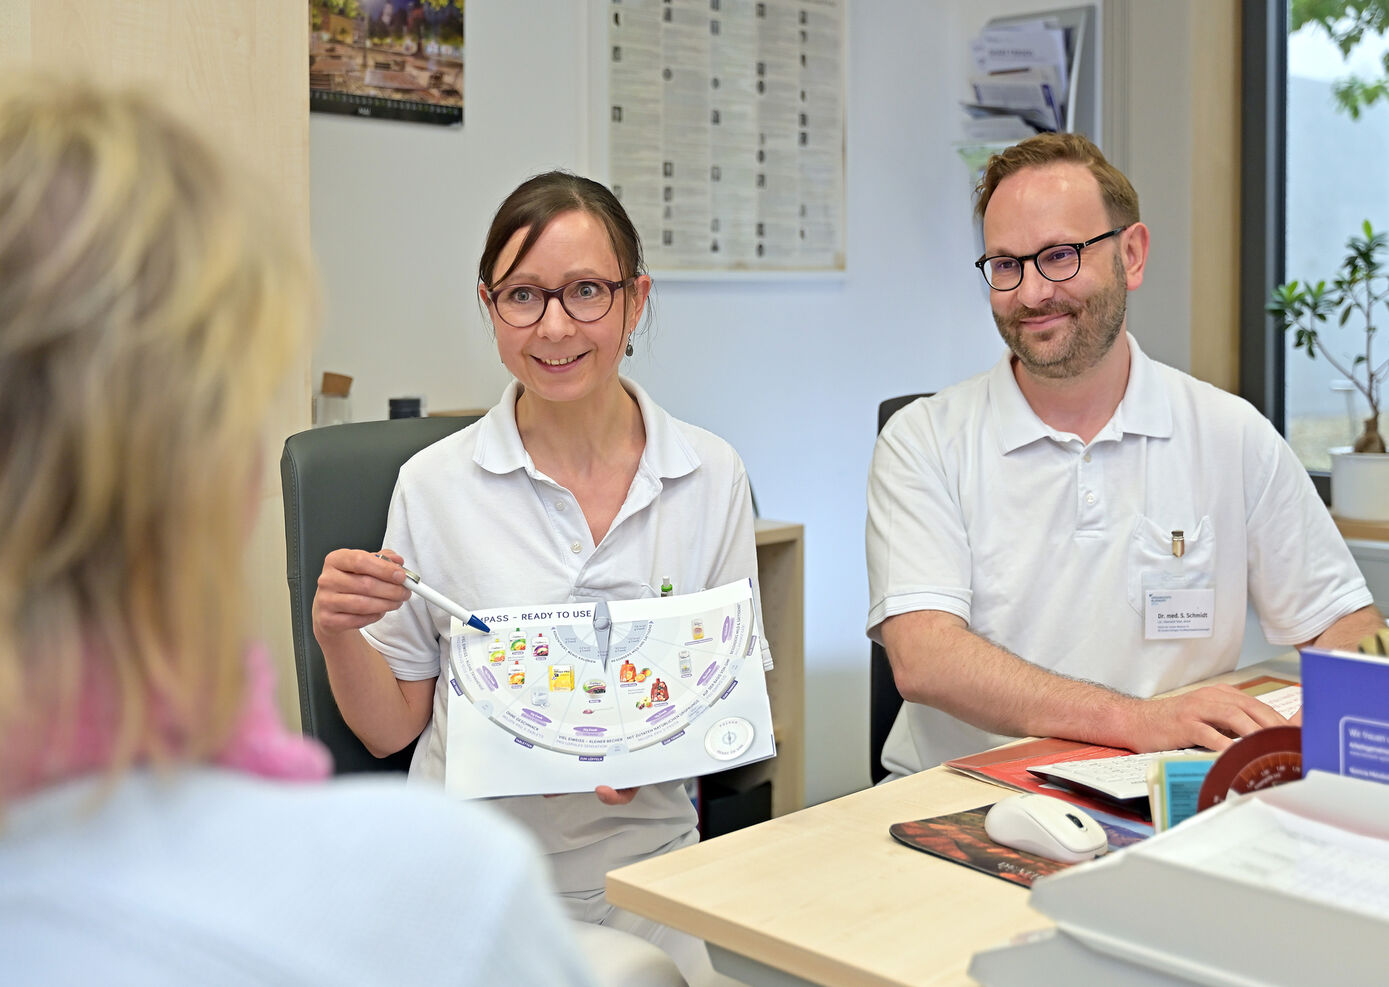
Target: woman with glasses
576, 486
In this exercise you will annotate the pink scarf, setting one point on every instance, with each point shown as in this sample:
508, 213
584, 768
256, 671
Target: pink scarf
259, 743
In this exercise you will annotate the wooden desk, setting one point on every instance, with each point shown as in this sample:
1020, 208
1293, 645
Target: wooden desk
826, 895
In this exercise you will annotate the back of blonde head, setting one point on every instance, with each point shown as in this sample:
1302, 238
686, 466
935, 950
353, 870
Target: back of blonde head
150, 305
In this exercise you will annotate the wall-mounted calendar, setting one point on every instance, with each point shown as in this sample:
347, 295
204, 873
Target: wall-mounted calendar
391, 59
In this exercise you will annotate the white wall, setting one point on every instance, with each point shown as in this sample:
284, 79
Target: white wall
399, 211
1149, 56
790, 372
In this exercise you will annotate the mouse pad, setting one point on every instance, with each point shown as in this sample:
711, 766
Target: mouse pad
960, 837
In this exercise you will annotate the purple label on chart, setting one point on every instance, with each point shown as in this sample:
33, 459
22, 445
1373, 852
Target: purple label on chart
488, 679
535, 717
524, 743
591, 731
708, 674
660, 714
590, 757
674, 736
727, 629
729, 689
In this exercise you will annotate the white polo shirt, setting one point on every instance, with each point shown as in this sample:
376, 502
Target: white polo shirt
1044, 544
473, 515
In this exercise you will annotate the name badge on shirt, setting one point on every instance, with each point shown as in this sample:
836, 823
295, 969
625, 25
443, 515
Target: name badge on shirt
1178, 613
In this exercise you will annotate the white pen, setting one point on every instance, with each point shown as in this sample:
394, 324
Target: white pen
412, 579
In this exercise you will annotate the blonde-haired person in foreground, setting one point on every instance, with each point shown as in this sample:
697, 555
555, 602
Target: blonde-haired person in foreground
158, 825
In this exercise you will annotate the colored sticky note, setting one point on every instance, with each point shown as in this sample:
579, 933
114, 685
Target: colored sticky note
1181, 784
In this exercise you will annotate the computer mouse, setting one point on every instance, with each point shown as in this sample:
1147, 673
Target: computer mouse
1046, 826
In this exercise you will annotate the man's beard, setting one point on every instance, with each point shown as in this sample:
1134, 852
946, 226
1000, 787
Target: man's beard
1096, 322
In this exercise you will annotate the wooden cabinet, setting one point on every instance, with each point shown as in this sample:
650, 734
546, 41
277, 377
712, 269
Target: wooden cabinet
781, 577
235, 69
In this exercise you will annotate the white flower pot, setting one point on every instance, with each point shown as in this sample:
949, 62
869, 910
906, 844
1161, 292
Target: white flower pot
1359, 485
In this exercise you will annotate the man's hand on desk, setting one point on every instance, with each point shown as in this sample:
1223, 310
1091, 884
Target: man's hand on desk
1211, 716
936, 660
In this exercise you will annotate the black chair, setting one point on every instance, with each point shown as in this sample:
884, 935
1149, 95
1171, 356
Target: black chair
337, 484
884, 700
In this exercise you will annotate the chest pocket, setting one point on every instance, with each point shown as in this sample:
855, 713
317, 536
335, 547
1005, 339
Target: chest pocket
1151, 564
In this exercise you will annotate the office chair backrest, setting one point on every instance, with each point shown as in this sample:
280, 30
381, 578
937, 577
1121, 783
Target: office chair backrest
883, 698
337, 485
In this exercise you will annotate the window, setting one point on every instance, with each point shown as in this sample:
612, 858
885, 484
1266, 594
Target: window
1312, 175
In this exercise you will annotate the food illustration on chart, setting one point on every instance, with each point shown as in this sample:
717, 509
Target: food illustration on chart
563, 697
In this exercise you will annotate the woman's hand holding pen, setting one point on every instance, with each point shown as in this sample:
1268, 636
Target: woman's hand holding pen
357, 588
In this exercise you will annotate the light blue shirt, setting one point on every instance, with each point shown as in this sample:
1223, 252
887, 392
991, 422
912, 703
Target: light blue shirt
214, 877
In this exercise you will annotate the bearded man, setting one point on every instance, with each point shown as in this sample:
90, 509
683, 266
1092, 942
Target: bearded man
1053, 542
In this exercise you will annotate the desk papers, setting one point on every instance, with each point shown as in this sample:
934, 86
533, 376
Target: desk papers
565, 697
1039, 765
1011, 767
1288, 885
1022, 69
1124, 778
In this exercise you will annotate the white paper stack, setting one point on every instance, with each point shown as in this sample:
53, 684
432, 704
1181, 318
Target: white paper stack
1285, 886
1021, 70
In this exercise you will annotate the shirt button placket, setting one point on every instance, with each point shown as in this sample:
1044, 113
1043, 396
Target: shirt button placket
566, 523
1087, 486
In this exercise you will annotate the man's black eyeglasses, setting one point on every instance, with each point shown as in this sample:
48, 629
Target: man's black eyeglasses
1059, 262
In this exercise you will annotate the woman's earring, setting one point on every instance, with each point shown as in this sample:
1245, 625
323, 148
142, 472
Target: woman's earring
629, 345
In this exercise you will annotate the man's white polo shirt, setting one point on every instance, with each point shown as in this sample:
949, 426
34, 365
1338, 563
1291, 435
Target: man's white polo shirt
483, 526
1045, 544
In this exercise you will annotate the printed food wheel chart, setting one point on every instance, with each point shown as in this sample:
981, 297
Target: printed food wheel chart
545, 682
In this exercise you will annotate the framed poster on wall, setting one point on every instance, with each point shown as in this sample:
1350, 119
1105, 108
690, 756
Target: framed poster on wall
397, 59
725, 132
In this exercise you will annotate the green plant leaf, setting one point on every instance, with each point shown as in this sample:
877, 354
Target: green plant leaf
1347, 22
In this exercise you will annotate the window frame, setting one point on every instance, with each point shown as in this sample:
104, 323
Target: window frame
1263, 210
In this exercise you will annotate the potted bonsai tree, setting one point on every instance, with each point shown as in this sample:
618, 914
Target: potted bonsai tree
1357, 296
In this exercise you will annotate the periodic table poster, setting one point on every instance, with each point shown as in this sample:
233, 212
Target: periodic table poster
726, 131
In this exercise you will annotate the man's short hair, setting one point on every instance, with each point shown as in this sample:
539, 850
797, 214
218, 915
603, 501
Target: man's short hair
1120, 200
